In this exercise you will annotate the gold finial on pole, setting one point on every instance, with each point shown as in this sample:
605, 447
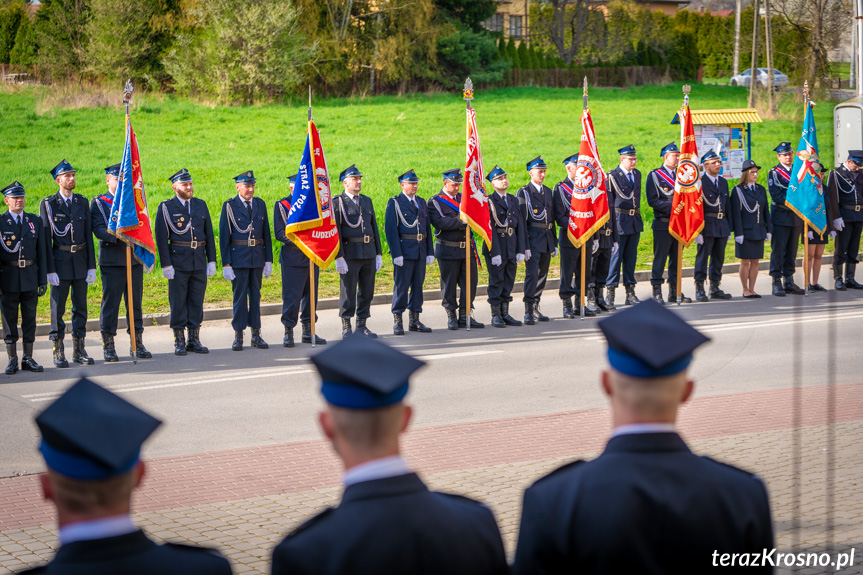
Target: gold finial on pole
686, 89
127, 94
585, 93
468, 91
806, 92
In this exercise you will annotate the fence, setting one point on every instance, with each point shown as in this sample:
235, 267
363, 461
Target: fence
604, 76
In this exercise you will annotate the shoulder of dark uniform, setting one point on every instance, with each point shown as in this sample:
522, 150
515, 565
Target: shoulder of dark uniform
732, 471
311, 523
560, 471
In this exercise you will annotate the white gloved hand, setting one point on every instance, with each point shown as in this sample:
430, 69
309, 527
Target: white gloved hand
699, 240
519, 258
832, 235
268, 269
595, 247
839, 224
769, 235
54, 279
429, 260
91, 277
614, 248
379, 263
399, 261
730, 236
527, 255
341, 266
810, 234
554, 253
739, 240
228, 273
211, 269
168, 273
496, 261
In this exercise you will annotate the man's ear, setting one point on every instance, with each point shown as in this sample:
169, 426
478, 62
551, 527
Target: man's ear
407, 414
606, 383
325, 420
47, 491
687, 391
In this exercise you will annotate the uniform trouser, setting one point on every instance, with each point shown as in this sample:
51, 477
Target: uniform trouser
570, 270
710, 254
114, 290
452, 276
408, 288
626, 256
535, 274
296, 295
783, 255
599, 263
500, 280
664, 249
247, 298
847, 245
186, 296
59, 295
9, 302
358, 288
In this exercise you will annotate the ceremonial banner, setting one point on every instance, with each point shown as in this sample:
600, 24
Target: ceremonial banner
130, 218
805, 194
588, 209
311, 224
474, 203
687, 210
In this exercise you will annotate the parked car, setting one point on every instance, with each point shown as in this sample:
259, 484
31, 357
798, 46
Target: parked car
744, 77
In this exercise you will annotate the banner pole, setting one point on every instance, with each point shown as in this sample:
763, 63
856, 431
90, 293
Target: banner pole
130, 308
312, 297
467, 276
806, 263
581, 281
679, 271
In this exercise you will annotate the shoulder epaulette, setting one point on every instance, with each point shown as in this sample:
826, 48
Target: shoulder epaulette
313, 521
733, 467
560, 469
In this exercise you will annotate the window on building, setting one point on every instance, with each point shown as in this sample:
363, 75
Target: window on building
515, 27
495, 23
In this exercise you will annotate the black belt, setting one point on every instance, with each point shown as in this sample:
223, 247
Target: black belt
362, 240
853, 208
605, 232
775, 207
452, 244
717, 215
249, 242
19, 263
194, 244
626, 212
73, 248
417, 237
661, 219
543, 226
504, 231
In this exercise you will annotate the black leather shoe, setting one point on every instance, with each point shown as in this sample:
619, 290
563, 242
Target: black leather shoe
307, 335
60, 353
529, 318
398, 324
496, 319
508, 319
451, 320
717, 293
600, 300
568, 312
631, 299
791, 287
238, 341
852, 283
288, 341
657, 295
346, 326
700, 295
12, 353
538, 314
108, 348
257, 341
141, 352
179, 342
816, 287
194, 344
840, 285
363, 330
414, 323
672, 295
610, 300
79, 353
27, 361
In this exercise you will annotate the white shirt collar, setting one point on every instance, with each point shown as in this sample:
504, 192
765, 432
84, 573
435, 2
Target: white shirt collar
538, 187
624, 170
376, 469
634, 428
354, 197
98, 529
501, 195
410, 199
63, 197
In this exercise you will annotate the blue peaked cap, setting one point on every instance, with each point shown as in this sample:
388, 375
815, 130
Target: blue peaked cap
292, 179
495, 173
409, 176
181, 176
672, 147
855, 156
627, 150
113, 170
537, 162
571, 160
14, 190
783, 148
63, 167
454, 175
352, 170
246, 178
709, 155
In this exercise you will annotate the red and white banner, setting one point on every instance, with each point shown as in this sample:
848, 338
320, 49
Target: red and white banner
473, 209
687, 207
588, 209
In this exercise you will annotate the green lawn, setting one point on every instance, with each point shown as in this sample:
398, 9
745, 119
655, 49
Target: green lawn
384, 136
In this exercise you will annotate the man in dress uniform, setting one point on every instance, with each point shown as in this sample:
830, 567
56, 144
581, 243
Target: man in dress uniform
625, 184
388, 521
449, 250
360, 254
408, 231
786, 225
187, 250
537, 206
71, 262
710, 253
296, 295
604, 247
570, 256
23, 276
112, 263
92, 471
508, 243
659, 191
845, 213
647, 504
247, 256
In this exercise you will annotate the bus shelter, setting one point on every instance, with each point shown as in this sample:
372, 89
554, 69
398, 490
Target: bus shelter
728, 133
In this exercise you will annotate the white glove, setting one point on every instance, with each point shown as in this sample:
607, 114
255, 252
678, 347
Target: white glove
341, 266
211, 269
268, 269
519, 258
699, 240
614, 248
429, 260
91, 277
769, 235
832, 235
527, 255
496, 261
399, 261
228, 273
379, 263
739, 240
168, 273
730, 236
595, 247
554, 253
54, 279
810, 234
839, 224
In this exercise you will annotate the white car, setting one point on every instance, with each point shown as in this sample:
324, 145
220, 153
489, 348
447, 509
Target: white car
743, 78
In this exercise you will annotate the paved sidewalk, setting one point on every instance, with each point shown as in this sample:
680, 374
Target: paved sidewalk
244, 500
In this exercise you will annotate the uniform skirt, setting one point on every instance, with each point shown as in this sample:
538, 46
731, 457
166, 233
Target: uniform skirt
749, 249
816, 239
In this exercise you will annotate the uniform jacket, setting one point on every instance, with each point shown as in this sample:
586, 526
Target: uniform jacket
607, 234
777, 186
245, 256
846, 189
112, 252
34, 246
75, 224
448, 227
394, 228
133, 554
716, 227
538, 210
621, 190
185, 258
562, 195
290, 255
751, 226
349, 214
660, 196
505, 243
646, 505
395, 525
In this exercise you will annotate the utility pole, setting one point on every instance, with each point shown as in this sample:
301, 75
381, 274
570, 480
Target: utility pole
736, 63
753, 76
768, 44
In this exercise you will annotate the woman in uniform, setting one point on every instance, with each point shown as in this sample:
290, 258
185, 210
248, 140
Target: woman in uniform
750, 217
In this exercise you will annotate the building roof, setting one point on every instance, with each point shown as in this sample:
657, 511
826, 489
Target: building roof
734, 116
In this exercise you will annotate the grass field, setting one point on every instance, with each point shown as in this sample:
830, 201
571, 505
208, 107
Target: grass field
384, 136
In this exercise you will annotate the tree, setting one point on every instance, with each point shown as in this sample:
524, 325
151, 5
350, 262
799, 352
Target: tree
11, 17
122, 43
819, 25
24, 52
61, 34
467, 53
565, 23
471, 13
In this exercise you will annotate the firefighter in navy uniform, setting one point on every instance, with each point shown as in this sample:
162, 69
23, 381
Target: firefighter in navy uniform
508, 243
294, 264
407, 228
711, 242
187, 250
603, 248
570, 256
537, 206
112, 264
247, 256
787, 225
659, 191
450, 251
625, 184
71, 262
845, 214
23, 276
360, 254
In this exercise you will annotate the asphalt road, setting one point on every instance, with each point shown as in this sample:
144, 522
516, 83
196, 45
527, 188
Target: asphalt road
232, 399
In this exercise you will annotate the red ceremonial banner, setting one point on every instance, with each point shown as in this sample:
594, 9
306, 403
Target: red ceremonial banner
588, 209
687, 210
474, 203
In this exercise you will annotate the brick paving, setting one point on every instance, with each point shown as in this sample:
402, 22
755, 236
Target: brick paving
244, 500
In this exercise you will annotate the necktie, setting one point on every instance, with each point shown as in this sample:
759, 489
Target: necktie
68, 203
189, 209
249, 208
631, 181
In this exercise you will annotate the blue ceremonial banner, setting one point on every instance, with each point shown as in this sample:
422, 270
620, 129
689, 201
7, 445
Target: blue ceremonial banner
805, 193
305, 206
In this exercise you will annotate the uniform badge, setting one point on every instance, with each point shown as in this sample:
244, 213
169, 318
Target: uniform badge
13, 236
8, 243
535, 210
182, 219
